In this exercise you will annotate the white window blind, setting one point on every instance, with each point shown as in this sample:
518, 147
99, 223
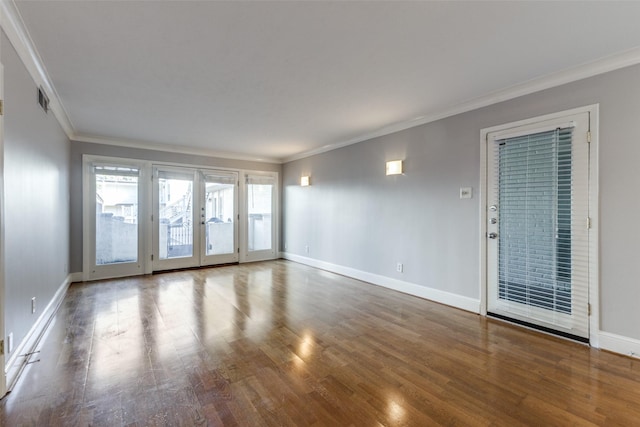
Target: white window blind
220, 177
115, 170
169, 174
260, 179
542, 259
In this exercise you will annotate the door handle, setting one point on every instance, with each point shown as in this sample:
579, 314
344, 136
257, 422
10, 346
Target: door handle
492, 235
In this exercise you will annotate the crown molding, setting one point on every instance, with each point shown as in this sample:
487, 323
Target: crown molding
572, 74
385, 130
13, 26
170, 148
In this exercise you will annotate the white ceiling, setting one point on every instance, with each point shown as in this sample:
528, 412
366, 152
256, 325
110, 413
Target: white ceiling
272, 80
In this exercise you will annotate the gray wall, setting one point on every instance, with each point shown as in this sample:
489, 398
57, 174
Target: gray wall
36, 190
80, 148
354, 216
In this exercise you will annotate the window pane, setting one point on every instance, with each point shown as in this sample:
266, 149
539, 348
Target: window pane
116, 217
175, 196
220, 216
259, 200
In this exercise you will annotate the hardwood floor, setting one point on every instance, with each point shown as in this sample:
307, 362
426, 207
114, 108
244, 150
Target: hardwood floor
279, 343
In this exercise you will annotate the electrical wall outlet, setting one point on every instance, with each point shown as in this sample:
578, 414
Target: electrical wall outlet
399, 267
306, 248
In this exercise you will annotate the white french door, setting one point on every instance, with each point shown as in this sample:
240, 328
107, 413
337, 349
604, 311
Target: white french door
194, 217
219, 217
175, 241
538, 223
260, 227
140, 217
113, 219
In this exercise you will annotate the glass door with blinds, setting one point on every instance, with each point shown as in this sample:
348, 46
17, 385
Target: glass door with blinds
115, 247
195, 220
260, 222
537, 232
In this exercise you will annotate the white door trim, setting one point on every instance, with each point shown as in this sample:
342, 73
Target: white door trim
594, 285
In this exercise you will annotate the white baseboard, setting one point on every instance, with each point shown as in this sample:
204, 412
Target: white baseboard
443, 297
619, 344
17, 361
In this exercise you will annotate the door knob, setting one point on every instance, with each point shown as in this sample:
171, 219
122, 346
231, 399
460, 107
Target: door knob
492, 235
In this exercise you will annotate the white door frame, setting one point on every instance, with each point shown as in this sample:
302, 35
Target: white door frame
594, 284
3, 371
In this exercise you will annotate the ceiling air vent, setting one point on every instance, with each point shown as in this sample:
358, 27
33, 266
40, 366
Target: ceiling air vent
43, 99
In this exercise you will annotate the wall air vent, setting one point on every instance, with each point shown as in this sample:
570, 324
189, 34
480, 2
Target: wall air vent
43, 99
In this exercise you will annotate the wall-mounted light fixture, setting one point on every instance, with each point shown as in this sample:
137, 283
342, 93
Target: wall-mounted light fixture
394, 167
305, 181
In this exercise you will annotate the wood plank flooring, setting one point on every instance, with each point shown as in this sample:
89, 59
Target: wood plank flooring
279, 343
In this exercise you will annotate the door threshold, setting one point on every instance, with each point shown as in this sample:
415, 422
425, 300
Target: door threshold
202, 267
539, 328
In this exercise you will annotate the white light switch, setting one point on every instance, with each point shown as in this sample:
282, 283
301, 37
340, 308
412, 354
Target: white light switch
466, 192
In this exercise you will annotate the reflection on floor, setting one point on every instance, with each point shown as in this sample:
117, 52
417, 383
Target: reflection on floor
278, 343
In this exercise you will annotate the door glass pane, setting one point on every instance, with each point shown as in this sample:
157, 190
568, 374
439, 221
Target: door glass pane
219, 215
259, 201
175, 198
116, 214
534, 257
